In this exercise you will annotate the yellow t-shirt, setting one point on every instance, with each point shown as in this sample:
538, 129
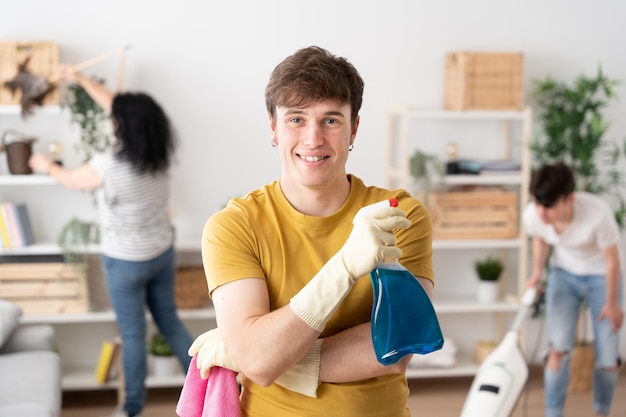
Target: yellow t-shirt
262, 236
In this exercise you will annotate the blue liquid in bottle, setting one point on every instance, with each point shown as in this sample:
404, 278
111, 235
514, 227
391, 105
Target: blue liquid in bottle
403, 319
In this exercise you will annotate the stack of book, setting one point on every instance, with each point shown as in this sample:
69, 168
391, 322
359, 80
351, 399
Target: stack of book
16, 230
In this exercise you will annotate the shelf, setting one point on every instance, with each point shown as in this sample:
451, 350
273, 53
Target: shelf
33, 179
42, 249
182, 245
108, 317
458, 115
189, 244
463, 367
17, 110
469, 305
86, 380
492, 178
515, 243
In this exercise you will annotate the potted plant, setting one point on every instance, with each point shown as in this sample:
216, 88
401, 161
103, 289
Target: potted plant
74, 240
488, 270
425, 169
163, 360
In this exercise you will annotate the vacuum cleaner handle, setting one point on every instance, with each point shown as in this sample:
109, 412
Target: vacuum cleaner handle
526, 304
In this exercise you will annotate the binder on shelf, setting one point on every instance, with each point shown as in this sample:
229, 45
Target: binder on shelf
107, 361
26, 228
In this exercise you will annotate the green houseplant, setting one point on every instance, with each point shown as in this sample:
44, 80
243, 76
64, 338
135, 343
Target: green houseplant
489, 268
89, 117
426, 169
573, 129
74, 240
158, 346
77, 234
163, 361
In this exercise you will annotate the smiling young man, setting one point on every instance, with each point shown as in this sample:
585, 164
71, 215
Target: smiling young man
287, 270
584, 266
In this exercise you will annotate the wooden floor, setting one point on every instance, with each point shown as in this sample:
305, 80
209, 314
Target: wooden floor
440, 397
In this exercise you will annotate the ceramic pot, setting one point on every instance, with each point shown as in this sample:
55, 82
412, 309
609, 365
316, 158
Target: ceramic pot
164, 366
487, 291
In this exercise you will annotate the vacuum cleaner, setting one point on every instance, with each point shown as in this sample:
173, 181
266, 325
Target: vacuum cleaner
502, 375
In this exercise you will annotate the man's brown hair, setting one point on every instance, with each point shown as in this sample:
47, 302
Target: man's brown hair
313, 74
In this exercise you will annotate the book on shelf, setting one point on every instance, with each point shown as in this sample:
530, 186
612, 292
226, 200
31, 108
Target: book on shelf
15, 227
107, 365
4, 231
15, 232
24, 223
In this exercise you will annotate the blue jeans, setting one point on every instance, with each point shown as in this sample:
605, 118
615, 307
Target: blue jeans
564, 296
133, 285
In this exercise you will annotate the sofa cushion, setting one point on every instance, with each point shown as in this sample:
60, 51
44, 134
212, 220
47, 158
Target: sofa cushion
30, 337
27, 410
9, 317
31, 378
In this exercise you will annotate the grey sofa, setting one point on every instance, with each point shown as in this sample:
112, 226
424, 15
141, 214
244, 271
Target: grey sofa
30, 369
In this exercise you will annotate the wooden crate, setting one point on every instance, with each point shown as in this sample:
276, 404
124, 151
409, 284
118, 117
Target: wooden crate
44, 62
484, 81
44, 288
481, 214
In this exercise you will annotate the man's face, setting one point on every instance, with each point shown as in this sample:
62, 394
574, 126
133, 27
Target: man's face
558, 212
313, 142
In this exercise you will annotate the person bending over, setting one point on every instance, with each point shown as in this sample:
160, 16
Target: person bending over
580, 230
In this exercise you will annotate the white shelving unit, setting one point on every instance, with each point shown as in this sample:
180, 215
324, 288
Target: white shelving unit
500, 135
78, 336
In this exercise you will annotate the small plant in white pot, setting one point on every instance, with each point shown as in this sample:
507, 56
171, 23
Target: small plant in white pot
489, 270
164, 362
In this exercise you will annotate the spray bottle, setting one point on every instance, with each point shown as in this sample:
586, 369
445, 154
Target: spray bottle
403, 319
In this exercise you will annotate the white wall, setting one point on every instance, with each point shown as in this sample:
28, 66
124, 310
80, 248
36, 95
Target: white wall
208, 64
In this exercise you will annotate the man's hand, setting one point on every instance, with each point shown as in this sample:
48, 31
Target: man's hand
614, 314
211, 351
370, 242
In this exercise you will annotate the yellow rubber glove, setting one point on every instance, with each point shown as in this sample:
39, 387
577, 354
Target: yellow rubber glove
370, 243
211, 351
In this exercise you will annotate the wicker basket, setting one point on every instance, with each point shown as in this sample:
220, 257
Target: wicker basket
482, 349
191, 289
581, 368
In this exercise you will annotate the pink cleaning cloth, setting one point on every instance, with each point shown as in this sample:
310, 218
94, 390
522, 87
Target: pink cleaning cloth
217, 396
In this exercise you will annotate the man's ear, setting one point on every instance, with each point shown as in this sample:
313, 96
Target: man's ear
272, 127
355, 128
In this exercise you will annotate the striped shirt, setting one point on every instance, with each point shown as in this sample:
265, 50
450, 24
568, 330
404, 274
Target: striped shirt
133, 209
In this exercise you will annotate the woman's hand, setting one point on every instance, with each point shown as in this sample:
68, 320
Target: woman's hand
67, 73
40, 163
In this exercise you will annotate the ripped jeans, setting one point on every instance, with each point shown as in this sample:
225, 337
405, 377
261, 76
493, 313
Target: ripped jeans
564, 296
